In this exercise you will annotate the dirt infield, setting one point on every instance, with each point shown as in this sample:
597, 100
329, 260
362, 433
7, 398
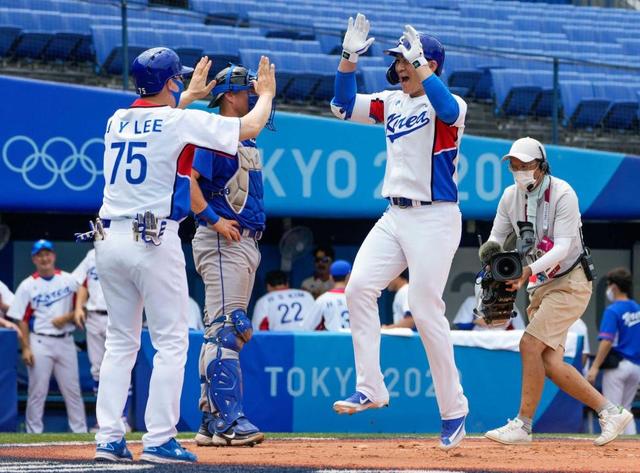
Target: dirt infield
475, 454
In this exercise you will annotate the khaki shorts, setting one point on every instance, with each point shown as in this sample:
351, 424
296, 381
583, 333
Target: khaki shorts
556, 305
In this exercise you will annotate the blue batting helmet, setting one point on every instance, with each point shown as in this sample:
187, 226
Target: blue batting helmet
432, 49
154, 67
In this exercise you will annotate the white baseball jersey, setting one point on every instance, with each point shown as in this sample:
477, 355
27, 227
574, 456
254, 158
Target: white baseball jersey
401, 304
86, 275
38, 300
331, 310
284, 310
148, 157
6, 295
580, 328
422, 150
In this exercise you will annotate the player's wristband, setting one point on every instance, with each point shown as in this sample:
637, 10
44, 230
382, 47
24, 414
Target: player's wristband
420, 61
351, 57
208, 215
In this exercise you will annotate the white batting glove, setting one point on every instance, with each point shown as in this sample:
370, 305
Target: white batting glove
355, 40
414, 54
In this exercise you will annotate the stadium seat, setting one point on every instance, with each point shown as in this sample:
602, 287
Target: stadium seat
8, 36
189, 56
624, 104
515, 91
374, 79
582, 109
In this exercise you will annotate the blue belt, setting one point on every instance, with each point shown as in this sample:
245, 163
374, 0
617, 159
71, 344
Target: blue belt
403, 202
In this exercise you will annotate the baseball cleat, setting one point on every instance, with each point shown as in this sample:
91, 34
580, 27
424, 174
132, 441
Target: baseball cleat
452, 432
241, 433
357, 402
113, 452
168, 452
612, 425
511, 434
203, 437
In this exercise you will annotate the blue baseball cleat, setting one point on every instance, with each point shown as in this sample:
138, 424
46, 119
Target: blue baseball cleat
357, 402
452, 433
113, 452
241, 433
169, 452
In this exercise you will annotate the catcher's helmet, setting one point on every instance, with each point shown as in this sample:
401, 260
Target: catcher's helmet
232, 78
154, 67
433, 51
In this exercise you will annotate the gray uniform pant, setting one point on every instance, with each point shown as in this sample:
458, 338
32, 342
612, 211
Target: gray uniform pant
228, 270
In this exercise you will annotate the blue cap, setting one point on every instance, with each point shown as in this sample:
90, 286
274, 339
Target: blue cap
340, 268
40, 245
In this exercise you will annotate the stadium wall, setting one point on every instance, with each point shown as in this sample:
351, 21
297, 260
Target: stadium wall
314, 167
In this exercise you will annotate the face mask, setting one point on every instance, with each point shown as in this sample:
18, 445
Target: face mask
524, 180
610, 294
176, 95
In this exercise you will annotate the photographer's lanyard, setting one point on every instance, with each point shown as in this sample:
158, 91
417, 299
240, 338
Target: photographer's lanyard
530, 212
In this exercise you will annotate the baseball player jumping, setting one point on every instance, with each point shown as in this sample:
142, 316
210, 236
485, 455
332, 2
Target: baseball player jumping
421, 229
147, 167
227, 197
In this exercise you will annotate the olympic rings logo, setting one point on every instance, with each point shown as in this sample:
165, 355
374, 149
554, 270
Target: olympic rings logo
42, 157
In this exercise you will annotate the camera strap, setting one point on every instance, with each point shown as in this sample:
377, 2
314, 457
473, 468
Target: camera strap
530, 214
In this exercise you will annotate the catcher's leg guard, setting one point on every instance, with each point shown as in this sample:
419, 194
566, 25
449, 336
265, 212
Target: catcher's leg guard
224, 377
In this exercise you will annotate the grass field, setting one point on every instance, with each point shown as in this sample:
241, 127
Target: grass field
13, 438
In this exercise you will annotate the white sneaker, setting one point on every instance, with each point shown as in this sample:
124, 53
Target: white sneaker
511, 434
612, 425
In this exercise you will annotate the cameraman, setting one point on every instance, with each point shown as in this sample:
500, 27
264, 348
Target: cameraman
558, 286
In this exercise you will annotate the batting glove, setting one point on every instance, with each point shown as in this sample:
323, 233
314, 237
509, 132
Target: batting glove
414, 54
355, 39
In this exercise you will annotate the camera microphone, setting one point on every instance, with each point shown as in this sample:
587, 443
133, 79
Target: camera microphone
488, 250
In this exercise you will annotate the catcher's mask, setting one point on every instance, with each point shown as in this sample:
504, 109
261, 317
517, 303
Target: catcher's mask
236, 78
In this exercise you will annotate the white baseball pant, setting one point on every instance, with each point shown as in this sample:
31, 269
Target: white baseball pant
134, 275
96, 330
425, 239
620, 385
57, 356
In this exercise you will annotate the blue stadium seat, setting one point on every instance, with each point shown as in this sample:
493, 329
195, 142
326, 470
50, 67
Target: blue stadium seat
515, 91
284, 75
109, 51
375, 80
581, 107
624, 104
189, 56
8, 36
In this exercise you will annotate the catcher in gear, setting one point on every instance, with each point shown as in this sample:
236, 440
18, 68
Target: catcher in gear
227, 198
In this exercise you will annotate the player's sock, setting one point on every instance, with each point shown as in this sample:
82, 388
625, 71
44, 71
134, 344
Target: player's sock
526, 423
609, 408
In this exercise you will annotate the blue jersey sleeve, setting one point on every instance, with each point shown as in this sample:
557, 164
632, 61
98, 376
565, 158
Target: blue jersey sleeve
609, 325
345, 89
441, 98
203, 162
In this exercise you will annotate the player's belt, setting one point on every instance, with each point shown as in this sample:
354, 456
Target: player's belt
99, 312
53, 335
403, 202
255, 234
